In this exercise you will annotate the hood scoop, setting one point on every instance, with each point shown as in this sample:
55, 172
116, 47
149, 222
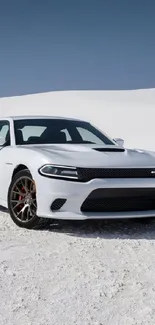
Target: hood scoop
110, 149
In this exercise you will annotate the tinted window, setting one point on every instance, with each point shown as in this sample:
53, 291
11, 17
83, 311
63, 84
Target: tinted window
44, 131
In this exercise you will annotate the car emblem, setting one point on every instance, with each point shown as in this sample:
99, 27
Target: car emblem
153, 172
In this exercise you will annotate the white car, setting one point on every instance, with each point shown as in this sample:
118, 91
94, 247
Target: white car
63, 168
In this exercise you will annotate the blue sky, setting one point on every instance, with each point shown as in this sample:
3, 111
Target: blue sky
76, 44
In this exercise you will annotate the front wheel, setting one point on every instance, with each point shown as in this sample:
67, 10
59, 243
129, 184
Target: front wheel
22, 202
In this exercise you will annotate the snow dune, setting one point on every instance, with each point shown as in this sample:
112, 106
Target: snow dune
126, 114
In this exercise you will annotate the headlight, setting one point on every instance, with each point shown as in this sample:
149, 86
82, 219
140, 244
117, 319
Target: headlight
59, 171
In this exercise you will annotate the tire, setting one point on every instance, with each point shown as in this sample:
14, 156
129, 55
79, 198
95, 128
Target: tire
22, 203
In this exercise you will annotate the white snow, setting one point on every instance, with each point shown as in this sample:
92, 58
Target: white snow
127, 114
100, 273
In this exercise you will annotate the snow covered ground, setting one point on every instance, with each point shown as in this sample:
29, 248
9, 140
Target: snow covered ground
100, 273
92, 273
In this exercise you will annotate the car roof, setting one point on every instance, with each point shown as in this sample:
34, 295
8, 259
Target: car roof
23, 117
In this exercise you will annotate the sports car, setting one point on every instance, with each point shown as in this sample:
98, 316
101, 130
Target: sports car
62, 168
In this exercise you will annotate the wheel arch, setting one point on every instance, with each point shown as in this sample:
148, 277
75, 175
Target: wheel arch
19, 168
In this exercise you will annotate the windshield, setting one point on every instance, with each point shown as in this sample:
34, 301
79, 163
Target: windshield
46, 131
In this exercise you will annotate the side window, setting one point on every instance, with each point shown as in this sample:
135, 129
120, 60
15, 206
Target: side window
5, 132
86, 135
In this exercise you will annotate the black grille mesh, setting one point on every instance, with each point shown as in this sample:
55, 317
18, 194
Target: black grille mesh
87, 174
142, 201
57, 204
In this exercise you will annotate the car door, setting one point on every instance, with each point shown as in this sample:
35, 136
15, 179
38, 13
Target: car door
5, 156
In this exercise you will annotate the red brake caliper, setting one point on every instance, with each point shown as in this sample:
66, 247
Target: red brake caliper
21, 197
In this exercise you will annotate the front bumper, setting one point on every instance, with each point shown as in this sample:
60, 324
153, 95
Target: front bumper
48, 190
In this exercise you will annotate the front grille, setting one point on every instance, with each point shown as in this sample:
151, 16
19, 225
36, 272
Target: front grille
87, 174
120, 200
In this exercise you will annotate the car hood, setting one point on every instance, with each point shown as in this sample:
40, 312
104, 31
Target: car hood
95, 156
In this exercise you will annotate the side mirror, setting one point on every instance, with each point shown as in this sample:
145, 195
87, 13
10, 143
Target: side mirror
2, 141
119, 141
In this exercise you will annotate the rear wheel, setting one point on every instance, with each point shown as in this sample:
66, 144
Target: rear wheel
22, 203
